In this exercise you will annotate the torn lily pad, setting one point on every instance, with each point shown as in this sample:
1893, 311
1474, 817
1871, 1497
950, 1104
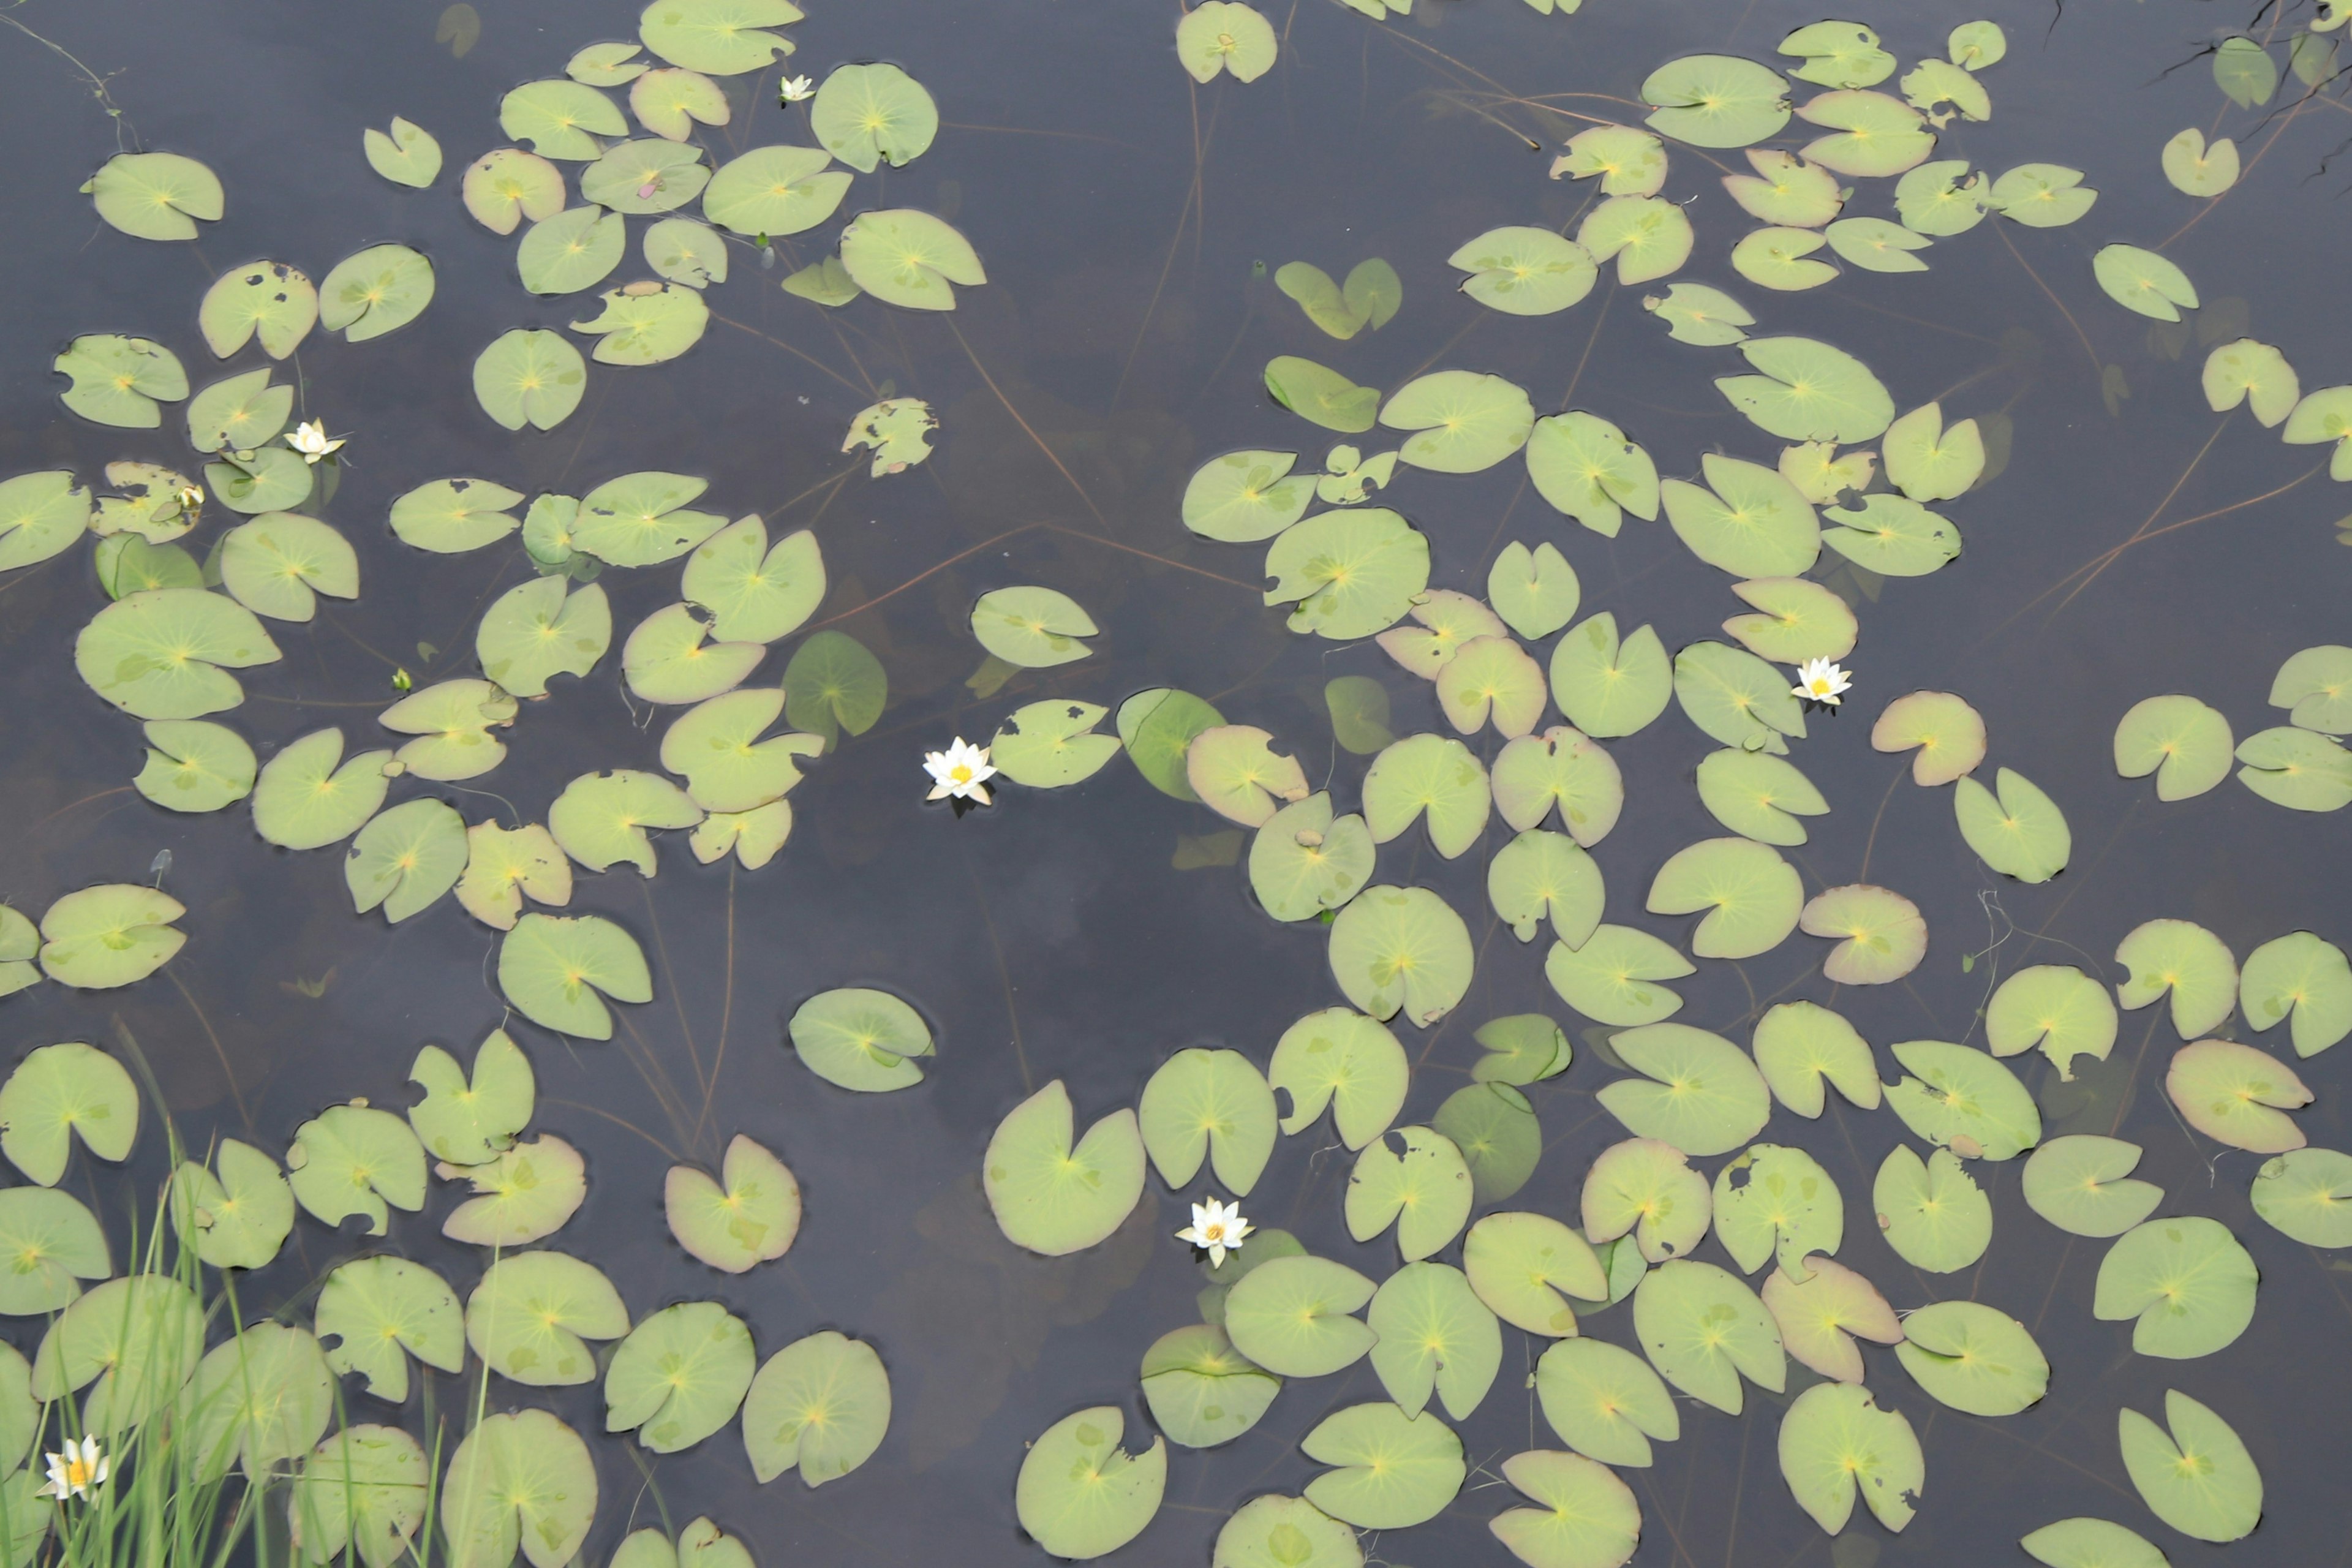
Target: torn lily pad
896, 430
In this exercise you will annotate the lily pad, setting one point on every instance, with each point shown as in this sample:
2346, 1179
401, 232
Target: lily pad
560, 119
1629, 163
130, 1344
1785, 190
1877, 245
1523, 1048
1492, 677
449, 517
1080, 1495
453, 720
1649, 238
363, 1489
1536, 591
902, 257
833, 684
1402, 949
272, 479
1235, 769
1929, 462
1716, 101
353, 1160
1893, 536
1204, 1104
1524, 271
1757, 795
687, 252
2092, 1543
529, 377
1612, 978
1821, 1313
777, 191
1395, 1471
1836, 1441
1606, 685
752, 1218
1774, 1201
2079, 1184
1948, 733
1808, 391
2197, 168
1695, 314
2255, 375
278, 564
1031, 627
1645, 1189
1941, 198
1779, 258
2186, 960
2144, 281
166, 653
1559, 767
1435, 1336
2300, 976
2197, 1476
403, 860
506, 185
755, 594
260, 1398
1737, 698
1341, 1058
1055, 1197
1799, 1044
154, 195
380, 1310
1452, 619
112, 935
2180, 739
471, 1123
1303, 861
2021, 834
1752, 896
118, 380
531, 1317
1428, 773
195, 766
2041, 195
1704, 1096
1540, 876
670, 103
269, 298
1704, 1331
57, 1092
1974, 1358
1221, 35
666, 660
2303, 1195
645, 323
717, 748
1932, 1211
521, 1194
1291, 1316
679, 1376
1604, 1402
722, 38
1799, 620
1874, 135
1589, 1517
373, 291
1753, 525
2296, 769
1245, 496
517, 1479
865, 113
1964, 1100
1320, 394
2237, 1095
554, 971
1200, 1390
1421, 1186
1352, 573
601, 819
1884, 937
2187, 1281
1524, 1267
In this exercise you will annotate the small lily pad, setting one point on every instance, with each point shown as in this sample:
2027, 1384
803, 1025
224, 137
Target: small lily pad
2185, 743
470, 1122
373, 291
1932, 1211
601, 819
407, 156
2091, 1543
1836, 1441
1243, 496
1948, 735
2041, 195
667, 660
1221, 35
750, 1216
646, 323
506, 185
1751, 522
1696, 313
2306, 1193
1304, 861
1321, 395
1649, 238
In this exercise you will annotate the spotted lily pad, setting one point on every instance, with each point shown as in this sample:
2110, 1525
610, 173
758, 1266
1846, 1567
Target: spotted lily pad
405, 859
112, 935
1421, 1186
1341, 1058
1402, 949
1452, 620
1080, 1495
1964, 1100
373, 291
1235, 769
353, 1160
531, 1317
1645, 1189
1524, 271
518, 1478
2237, 1095
557, 971
166, 653
1774, 1201
2303, 977
470, 1122
1932, 1211
1704, 1331
752, 1215
1350, 573
377, 1311
1243, 497
1303, 860
2197, 1476
679, 1376
523, 1193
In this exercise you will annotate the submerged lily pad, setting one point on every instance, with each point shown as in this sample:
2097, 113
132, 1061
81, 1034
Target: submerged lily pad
1402, 949
1605, 1402
2197, 1476
2080, 1184
110, 935
1973, 1358
2237, 1095
2187, 1281
1080, 1495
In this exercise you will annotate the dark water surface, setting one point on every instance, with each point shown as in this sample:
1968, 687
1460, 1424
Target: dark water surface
1118, 342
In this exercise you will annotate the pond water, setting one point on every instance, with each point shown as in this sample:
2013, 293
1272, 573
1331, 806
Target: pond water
1130, 223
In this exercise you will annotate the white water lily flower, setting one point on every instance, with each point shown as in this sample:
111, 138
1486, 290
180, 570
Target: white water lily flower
961, 771
310, 440
797, 87
82, 1466
1218, 1226
1821, 680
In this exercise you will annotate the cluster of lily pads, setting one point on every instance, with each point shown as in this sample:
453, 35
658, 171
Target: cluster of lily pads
1432, 1329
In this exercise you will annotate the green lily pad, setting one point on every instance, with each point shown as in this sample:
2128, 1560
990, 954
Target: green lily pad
531, 1317
1941, 198
1931, 1212
1649, 238
752, 1218
1395, 1471
403, 860
1235, 769
2244, 71
1882, 936
1778, 258
1737, 698
1320, 394
1612, 978
373, 291
260, 1398
1534, 592
1752, 897
2318, 417
1820, 1315
1452, 619
865, 113
722, 37
718, 749
1610, 687
1422, 1188
1799, 1044
1200, 1391
1402, 949
362, 1488
130, 1343
1207, 1105
471, 1123
1785, 190
1221, 35
1243, 496
101, 938
539, 630
2079, 1184
1050, 744
269, 299
1341, 1058
1524, 1267
2301, 976
601, 819
1875, 245
2092, 1543
2197, 168
166, 653
506, 185
833, 684
1973, 1358
1433, 774
1589, 1517
1703, 1330
1839, 55
1716, 101
646, 323
2296, 769
1055, 1197
278, 564
522, 1194
902, 257
1275, 1531
2021, 834
1080, 1495
272, 479
1629, 163
119, 381
1821, 475
1695, 314
2187, 1281
407, 156
1836, 1441
129, 565
1893, 536
1435, 1336
755, 594
2302, 1194
1774, 1201
1350, 573
2180, 739
1302, 861
379, 1312
670, 102
560, 119
572, 250
896, 430
2041, 195
1492, 677
2144, 281
449, 517
518, 1478
1291, 1316
2255, 375
1559, 767
195, 766
1964, 1100
1033, 629
503, 865
2186, 960
2237, 1095
666, 660
529, 377
1758, 796
1540, 876
679, 1376
1753, 525
1523, 1048
453, 720
1948, 733
154, 195
687, 252
1929, 461
1645, 1189
554, 971
2198, 1476
1808, 391
1604, 1402
351, 1160
42, 514
1704, 1095
1873, 135
1524, 271
52, 1241
235, 1216
780, 191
